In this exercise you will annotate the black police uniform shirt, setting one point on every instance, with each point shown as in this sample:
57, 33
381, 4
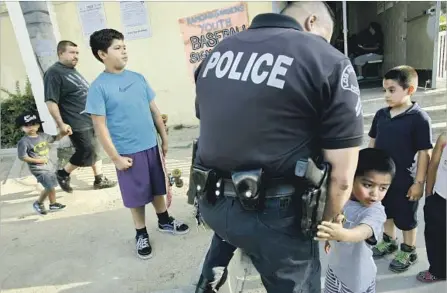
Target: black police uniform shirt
66, 87
273, 94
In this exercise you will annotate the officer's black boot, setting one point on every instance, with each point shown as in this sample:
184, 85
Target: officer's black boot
206, 286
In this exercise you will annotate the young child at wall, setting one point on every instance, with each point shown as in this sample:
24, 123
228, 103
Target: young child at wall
351, 266
403, 130
33, 148
435, 214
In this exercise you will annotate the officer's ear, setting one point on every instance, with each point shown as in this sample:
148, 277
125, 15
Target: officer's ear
309, 23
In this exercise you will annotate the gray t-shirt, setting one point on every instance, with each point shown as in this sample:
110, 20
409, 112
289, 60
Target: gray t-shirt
36, 147
66, 87
353, 263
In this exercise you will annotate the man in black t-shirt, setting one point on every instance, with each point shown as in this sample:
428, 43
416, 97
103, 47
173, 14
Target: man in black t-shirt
266, 98
65, 96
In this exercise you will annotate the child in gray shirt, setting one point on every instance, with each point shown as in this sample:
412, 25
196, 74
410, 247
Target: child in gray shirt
34, 149
351, 267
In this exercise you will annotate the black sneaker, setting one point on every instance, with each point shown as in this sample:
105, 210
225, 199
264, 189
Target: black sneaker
64, 182
144, 249
406, 257
104, 183
385, 247
40, 208
174, 226
56, 206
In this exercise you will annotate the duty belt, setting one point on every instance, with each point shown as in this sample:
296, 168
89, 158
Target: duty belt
252, 187
271, 191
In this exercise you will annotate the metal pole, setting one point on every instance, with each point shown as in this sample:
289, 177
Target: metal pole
30, 62
345, 28
436, 45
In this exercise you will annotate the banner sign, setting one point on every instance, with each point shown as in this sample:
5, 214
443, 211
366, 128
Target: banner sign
202, 32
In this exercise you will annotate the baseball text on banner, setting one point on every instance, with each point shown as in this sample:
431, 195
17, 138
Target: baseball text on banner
202, 32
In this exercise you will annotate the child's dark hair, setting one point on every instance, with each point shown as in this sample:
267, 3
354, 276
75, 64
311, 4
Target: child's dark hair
404, 75
102, 40
375, 160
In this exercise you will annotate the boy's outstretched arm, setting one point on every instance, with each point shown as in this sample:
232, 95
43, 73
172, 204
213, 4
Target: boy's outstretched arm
156, 116
335, 231
434, 163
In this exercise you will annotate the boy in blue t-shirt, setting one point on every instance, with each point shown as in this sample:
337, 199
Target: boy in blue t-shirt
351, 267
123, 111
402, 130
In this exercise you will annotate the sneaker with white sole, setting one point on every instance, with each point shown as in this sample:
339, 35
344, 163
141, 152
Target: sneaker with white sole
40, 208
56, 206
144, 249
174, 226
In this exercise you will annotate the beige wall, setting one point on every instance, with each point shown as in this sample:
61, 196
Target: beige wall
12, 68
160, 58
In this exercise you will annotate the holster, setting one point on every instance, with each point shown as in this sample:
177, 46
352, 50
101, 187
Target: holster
208, 184
249, 188
192, 193
313, 200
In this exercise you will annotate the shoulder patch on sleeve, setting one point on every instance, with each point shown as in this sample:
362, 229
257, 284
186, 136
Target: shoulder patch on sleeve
347, 77
348, 82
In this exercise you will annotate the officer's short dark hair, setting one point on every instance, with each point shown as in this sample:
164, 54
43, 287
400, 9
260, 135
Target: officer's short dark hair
289, 4
102, 40
375, 160
62, 45
404, 75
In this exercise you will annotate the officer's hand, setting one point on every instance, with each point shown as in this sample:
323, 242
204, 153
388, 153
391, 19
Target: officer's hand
415, 192
331, 231
327, 247
123, 163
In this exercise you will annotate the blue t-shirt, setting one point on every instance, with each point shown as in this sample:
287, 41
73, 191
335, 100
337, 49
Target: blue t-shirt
124, 100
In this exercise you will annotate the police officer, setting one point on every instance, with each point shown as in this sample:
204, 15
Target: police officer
266, 98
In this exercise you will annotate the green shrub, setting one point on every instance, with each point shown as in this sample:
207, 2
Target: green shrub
11, 107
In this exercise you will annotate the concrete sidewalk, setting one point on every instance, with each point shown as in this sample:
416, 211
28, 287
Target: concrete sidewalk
89, 247
387, 281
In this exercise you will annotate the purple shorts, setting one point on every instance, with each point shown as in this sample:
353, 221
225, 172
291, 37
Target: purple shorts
144, 180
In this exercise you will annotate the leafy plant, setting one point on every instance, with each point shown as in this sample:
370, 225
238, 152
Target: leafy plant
15, 104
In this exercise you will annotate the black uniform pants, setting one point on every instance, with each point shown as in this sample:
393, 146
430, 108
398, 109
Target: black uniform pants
435, 234
286, 261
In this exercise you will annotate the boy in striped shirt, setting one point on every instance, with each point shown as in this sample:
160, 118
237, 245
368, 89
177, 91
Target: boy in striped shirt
351, 266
